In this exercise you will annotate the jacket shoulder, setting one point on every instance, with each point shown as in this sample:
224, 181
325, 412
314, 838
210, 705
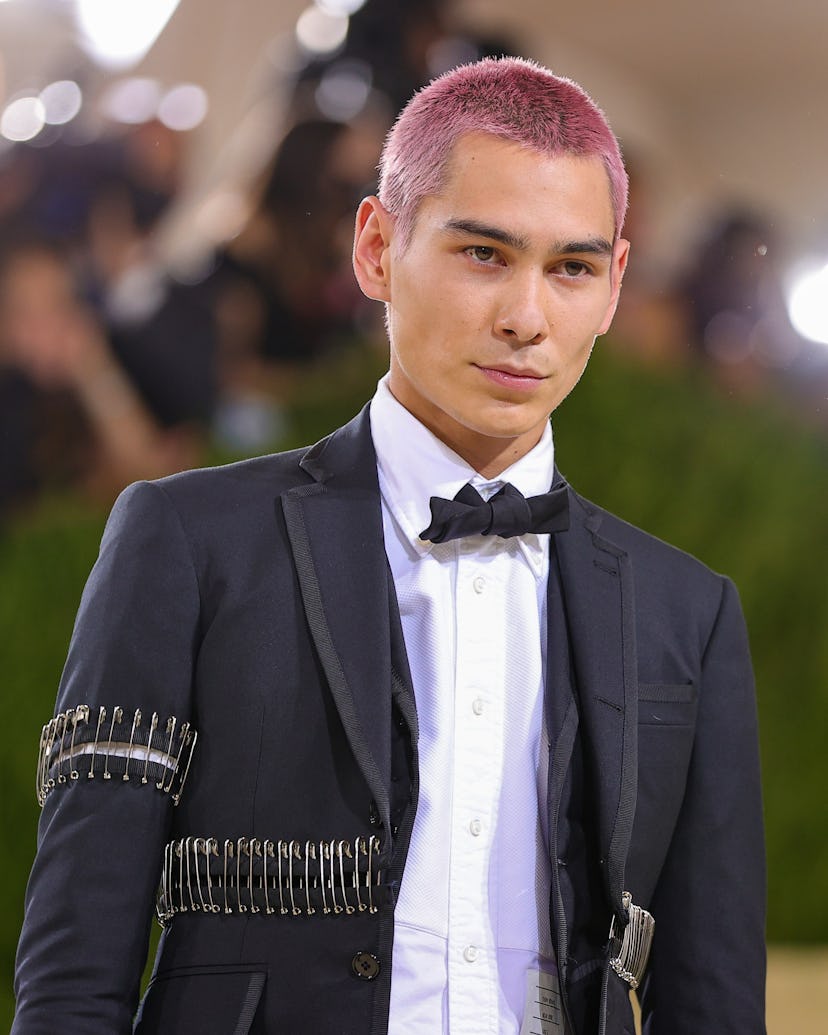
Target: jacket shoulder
651, 556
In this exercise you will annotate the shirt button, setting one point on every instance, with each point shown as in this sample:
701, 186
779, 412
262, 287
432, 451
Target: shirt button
365, 965
478, 705
479, 584
470, 953
475, 827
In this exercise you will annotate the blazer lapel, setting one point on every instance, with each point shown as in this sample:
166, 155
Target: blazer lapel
596, 577
335, 528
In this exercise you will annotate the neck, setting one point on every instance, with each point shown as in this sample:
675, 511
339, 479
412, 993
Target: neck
490, 457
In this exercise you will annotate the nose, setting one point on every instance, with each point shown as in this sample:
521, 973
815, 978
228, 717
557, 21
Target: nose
521, 318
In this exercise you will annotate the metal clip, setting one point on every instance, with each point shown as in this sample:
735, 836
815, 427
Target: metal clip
636, 940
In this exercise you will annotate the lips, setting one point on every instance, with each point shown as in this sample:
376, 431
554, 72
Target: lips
523, 379
511, 372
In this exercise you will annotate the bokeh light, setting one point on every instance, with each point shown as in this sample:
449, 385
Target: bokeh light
23, 119
118, 33
340, 7
343, 90
61, 102
320, 32
183, 107
132, 100
808, 305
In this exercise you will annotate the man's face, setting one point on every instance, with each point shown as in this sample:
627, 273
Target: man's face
494, 305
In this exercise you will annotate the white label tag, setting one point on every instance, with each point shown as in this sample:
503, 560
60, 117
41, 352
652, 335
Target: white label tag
542, 1013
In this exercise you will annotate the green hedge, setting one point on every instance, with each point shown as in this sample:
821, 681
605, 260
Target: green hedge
740, 485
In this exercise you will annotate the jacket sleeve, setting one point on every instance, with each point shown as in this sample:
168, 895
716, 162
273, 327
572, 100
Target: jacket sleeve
707, 971
90, 897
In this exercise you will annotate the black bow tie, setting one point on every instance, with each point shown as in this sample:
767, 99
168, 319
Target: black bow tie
507, 513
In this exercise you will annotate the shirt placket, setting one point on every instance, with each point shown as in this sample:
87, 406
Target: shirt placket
478, 748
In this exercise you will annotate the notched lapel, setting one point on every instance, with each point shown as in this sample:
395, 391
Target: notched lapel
335, 530
598, 589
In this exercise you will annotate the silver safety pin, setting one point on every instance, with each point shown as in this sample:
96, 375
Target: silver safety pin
322, 852
187, 868
281, 853
153, 726
117, 716
179, 851
267, 850
171, 732
336, 907
61, 777
293, 852
81, 715
136, 722
196, 842
101, 717
228, 851
182, 736
344, 848
358, 843
255, 849
309, 848
240, 842
191, 741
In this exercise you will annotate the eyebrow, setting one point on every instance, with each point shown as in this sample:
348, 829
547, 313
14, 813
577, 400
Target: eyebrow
474, 228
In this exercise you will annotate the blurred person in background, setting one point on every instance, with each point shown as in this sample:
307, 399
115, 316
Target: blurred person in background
733, 302
445, 738
161, 330
70, 416
284, 295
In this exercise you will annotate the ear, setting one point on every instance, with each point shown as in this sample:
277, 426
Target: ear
620, 254
372, 249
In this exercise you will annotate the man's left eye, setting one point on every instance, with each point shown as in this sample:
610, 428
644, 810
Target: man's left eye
481, 252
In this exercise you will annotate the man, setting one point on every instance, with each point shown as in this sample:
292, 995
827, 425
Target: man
453, 756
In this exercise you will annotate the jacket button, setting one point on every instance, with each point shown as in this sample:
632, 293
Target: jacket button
365, 965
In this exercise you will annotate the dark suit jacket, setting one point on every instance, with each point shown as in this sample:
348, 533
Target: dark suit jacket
255, 602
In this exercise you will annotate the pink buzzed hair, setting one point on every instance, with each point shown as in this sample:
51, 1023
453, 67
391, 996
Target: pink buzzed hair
511, 98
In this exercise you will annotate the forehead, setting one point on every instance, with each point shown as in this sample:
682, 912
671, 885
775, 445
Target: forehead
494, 179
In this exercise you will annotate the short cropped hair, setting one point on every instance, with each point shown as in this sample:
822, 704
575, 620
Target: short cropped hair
511, 98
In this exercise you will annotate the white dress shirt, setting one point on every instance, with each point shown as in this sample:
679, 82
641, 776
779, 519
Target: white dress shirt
471, 927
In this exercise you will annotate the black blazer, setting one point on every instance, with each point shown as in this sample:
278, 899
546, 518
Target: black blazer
254, 602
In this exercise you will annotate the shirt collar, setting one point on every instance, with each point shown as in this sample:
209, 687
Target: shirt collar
414, 465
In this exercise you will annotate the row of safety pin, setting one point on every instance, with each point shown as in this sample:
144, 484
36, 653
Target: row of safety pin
265, 872
66, 741
636, 941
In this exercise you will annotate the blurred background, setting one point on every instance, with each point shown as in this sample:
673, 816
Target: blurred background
177, 187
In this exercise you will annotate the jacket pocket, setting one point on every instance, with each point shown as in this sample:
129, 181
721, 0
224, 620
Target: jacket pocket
212, 1000
667, 704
